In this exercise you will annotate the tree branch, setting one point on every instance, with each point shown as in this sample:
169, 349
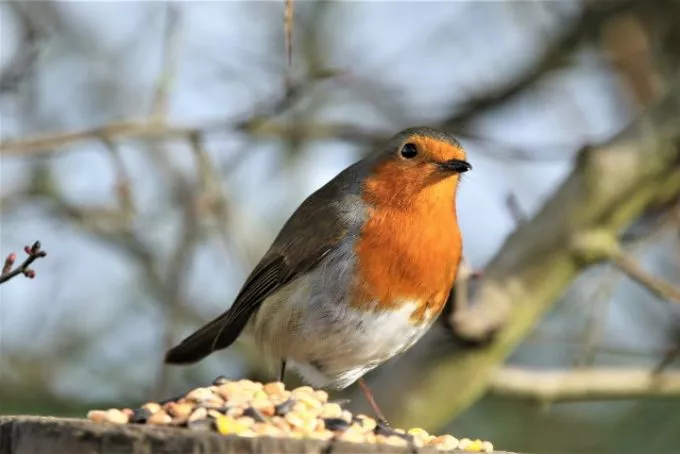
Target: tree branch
578, 385
151, 128
594, 200
609, 187
23, 63
552, 58
141, 129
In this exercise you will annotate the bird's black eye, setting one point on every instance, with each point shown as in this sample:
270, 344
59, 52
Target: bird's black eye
409, 151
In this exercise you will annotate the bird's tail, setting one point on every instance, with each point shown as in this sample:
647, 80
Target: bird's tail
199, 344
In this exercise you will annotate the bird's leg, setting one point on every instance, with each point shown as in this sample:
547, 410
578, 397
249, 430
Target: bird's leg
282, 371
372, 403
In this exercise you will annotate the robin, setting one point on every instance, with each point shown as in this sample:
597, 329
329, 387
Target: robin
358, 273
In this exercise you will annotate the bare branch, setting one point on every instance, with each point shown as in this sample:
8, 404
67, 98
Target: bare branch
206, 175
657, 286
597, 305
258, 125
165, 78
34, 252
599, 245
150, 128
628, 45
585, 384
123, 188
24, 60
598, 302
288, 25
142, 129
211, 198
552, 58
176, 278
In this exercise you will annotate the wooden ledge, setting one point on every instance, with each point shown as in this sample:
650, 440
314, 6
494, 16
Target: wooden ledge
42, 435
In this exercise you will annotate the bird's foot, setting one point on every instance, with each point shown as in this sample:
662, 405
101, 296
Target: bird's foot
382, 425
383, 428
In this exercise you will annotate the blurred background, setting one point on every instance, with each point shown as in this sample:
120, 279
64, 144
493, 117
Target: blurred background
155, 149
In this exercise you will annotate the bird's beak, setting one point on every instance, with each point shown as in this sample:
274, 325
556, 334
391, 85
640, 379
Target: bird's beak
455, 165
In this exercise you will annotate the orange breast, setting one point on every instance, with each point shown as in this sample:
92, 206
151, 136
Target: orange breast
410, 246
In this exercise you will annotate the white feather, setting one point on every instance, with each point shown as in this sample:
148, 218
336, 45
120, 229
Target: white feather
310, 323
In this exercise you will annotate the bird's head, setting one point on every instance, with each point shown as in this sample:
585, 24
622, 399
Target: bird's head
418, 163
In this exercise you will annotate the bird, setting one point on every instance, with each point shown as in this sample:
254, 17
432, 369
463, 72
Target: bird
358, 273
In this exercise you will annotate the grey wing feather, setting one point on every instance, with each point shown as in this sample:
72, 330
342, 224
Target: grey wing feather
315, 228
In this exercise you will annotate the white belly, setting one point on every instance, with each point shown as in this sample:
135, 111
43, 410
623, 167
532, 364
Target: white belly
311, 325
352, 347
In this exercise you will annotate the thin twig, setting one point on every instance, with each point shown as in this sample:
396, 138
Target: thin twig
24, 60
599, 300
34, 252
659, 287
288, 25
212, 198
598, 303
204, 168
123, 188
165, 79
148, 128
131, 129
598, 245
176, 279
514, 209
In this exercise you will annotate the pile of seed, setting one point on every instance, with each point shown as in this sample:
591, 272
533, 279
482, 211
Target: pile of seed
250, 409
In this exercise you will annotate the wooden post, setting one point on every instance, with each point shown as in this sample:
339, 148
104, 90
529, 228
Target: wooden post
46, 435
